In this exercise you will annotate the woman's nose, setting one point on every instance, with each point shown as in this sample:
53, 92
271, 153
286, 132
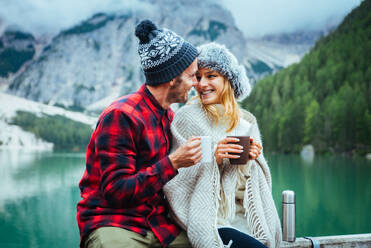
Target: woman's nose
202, 82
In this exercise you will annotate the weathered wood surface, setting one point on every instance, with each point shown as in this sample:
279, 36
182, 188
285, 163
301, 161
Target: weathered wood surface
341, 241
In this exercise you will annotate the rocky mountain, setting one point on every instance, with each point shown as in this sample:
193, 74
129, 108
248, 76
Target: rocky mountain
270, 53
89, 65
97, 60
16, 49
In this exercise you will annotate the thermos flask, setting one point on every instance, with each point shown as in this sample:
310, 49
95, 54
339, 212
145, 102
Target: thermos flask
288, 216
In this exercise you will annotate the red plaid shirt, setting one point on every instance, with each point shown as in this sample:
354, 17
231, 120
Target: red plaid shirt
126, 168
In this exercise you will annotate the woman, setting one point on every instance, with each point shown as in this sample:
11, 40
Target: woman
217, 203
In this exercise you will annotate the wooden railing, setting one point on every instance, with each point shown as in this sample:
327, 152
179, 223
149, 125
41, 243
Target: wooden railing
341, 241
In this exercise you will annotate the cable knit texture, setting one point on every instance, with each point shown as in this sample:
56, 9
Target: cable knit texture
205, 196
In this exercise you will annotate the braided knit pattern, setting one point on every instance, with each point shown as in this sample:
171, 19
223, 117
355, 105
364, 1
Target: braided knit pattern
202, 195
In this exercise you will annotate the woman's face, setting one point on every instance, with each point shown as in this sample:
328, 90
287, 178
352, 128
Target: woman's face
209, 86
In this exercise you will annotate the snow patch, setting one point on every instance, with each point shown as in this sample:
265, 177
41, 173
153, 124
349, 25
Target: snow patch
10, 104
273, 53
13, 137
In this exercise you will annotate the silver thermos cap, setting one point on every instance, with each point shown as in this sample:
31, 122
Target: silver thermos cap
288, 216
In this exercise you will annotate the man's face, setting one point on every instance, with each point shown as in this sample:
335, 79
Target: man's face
182, 84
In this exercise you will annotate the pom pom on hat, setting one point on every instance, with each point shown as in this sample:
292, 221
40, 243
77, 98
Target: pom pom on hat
143, 30
164, 55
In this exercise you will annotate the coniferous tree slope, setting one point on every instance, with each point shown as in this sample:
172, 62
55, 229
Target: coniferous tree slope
325, 99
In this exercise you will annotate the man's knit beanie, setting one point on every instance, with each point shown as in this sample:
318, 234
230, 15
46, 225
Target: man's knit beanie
164, 55
218, 58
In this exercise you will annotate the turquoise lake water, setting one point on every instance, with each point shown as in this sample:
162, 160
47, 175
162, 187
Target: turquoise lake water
39, 194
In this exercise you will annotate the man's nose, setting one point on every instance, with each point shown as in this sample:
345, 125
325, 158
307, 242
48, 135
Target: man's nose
194, 81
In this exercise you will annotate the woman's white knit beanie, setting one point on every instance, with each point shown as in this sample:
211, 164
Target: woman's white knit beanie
218, 58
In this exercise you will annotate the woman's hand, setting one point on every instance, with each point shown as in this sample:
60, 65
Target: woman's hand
224, 147
255, 149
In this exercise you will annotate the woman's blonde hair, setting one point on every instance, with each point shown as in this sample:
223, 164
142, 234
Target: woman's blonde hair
228, 101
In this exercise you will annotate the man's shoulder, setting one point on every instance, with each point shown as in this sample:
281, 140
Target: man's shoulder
126, 105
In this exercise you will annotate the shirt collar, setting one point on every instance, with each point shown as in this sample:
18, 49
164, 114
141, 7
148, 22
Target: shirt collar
152, 103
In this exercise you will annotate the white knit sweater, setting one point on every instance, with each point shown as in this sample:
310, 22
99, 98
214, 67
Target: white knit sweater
205, 196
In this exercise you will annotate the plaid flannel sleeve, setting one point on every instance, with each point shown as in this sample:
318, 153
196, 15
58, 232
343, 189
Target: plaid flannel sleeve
121, 183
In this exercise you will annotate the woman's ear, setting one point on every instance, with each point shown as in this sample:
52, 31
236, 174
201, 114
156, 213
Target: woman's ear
172, 82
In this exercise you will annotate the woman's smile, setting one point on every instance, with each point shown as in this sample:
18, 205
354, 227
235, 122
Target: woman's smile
206, 93
209, 86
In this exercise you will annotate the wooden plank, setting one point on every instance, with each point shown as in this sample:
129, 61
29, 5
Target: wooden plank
340, 241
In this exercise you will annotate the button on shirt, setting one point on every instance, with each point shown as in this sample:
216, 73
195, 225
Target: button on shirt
127, 165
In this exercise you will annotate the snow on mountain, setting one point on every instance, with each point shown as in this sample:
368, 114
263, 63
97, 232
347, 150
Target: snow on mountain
90, 64
13, 137
270, 53
264, 58
97, 59
276, 54
11, 104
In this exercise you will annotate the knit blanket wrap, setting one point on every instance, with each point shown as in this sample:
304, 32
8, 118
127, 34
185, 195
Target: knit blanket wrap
206, 196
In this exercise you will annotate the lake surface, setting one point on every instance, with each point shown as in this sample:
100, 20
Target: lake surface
39, 193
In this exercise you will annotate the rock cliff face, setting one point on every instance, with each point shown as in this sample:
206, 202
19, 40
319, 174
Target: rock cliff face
269, 54
98, 58
16, 49
92, 63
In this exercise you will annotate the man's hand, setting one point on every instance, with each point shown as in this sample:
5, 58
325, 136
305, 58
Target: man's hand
188, 154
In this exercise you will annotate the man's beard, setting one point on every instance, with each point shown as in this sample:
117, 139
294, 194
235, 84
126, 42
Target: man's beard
177, 92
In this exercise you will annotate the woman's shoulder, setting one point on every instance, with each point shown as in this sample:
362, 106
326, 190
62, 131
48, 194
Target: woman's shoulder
247, 116
249, 125
189, 120
189, 111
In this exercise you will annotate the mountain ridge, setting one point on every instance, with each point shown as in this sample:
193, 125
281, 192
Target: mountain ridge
97, 58
324, 99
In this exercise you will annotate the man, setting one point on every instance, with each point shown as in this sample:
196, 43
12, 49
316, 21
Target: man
127, 161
